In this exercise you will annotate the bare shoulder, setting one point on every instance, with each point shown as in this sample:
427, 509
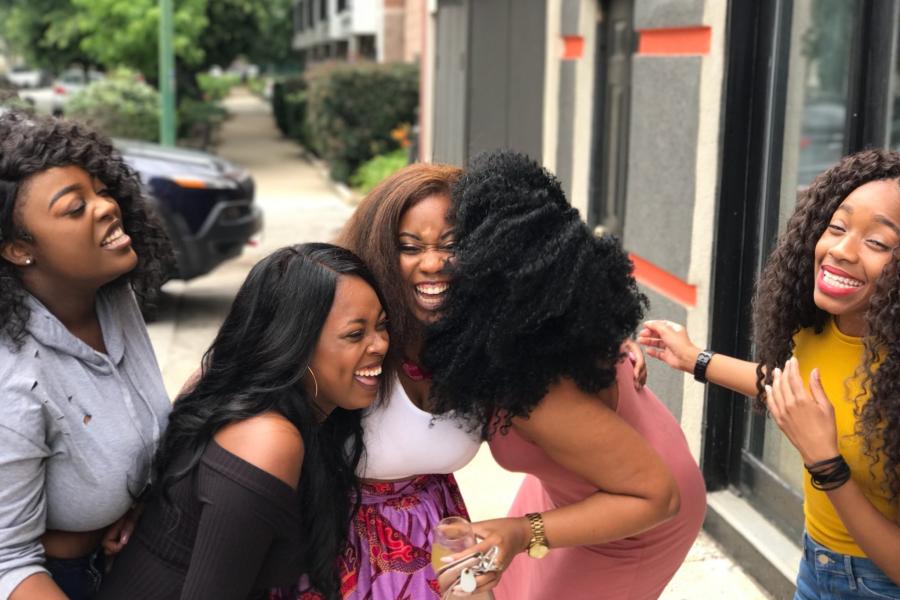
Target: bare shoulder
566, 409
268, 441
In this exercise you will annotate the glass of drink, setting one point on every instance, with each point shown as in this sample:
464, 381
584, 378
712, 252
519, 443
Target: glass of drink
452, 535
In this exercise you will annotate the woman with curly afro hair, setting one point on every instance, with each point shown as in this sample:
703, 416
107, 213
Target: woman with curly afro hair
827, 331
529, 346
83, 399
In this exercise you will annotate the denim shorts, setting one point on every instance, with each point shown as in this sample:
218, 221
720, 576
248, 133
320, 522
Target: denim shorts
828, 575
78, 578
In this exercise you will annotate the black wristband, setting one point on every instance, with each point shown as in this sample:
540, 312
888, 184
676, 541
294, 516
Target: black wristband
827, 475
700, 366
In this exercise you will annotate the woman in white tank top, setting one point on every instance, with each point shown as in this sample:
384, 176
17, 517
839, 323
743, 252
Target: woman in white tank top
401, 232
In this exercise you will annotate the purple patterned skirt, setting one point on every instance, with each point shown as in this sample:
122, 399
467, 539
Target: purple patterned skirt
388, 555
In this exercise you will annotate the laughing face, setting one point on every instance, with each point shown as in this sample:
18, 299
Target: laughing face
75, 227
853, 251
426, 244
346, 364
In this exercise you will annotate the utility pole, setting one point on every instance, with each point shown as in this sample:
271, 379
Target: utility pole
166, 74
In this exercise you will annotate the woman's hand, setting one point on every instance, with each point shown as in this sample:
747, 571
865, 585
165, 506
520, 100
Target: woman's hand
669, 342
509, 535
118, 534
633, 350
806, 419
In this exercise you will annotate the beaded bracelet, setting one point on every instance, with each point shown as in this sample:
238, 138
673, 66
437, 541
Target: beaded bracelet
830, 474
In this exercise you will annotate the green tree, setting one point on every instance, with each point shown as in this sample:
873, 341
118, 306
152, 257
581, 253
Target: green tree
259, 31
124, 33
44, 32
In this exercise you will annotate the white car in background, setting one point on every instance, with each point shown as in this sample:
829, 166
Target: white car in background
68, 84
25, 77
52, 100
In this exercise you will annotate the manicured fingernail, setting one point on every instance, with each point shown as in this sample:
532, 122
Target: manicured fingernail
124, 538
632, 356
447, 559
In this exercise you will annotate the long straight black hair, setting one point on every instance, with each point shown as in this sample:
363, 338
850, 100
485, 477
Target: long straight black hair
255, 365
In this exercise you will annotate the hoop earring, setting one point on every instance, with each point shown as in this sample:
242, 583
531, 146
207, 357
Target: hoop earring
315, 381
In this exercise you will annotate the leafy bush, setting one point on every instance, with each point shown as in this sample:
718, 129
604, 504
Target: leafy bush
352, 110
120, 106
371, 172
281, 106
216, 87
9, 99
199, 121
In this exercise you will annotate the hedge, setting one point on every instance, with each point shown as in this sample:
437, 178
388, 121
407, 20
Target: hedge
289, 106
120, 106
352, 110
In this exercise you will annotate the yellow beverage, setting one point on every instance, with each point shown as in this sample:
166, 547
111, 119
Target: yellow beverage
437, 553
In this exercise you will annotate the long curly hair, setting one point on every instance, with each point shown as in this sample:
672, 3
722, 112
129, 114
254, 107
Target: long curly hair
256, 364
372, 233
30, 145
784, 305
535, 296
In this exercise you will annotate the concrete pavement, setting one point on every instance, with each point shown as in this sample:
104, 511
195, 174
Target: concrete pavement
301, 205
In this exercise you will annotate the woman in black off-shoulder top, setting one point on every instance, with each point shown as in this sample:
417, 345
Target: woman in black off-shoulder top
253, 475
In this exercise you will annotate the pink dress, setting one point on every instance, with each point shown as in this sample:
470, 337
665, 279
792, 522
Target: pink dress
634, 568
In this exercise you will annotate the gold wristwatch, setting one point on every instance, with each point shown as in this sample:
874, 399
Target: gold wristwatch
538, 546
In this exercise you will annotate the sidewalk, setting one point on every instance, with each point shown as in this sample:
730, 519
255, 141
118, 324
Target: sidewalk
301, 205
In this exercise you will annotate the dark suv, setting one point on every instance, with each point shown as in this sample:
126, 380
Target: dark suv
206, 203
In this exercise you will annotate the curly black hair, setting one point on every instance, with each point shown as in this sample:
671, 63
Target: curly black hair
30, 145
535, 296
784, 305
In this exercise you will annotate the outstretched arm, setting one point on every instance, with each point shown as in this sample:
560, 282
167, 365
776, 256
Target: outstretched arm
669, 342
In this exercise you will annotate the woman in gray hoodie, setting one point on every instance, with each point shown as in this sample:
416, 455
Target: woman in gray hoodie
83, 402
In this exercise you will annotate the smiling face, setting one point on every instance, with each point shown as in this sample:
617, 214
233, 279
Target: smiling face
350, 350
425, 243
75, 231
854, 249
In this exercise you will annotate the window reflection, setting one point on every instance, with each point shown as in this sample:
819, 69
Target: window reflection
814, 140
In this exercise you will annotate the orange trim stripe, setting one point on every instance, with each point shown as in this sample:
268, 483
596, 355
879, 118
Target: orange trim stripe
674, 42
573, 47
662, 282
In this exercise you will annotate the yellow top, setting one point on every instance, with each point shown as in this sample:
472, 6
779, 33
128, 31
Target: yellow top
837, 357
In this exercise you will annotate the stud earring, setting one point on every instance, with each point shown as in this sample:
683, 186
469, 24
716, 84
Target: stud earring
29, 261
315, 381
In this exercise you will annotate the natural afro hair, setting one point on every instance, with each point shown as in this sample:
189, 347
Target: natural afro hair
535, 297
30, 145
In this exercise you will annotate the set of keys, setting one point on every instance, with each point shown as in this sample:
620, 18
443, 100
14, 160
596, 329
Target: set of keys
486, 564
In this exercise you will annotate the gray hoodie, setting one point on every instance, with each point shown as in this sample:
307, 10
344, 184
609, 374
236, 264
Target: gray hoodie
78, 429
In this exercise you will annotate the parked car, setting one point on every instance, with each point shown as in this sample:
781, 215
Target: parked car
68, 84
25, 77
206, 203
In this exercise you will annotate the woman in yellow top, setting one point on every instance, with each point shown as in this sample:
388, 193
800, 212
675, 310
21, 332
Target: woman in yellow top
827, 332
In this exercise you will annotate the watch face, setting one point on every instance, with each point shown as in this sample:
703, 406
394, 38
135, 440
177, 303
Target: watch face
538, 551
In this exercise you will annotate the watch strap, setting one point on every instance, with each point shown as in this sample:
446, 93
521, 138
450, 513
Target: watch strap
702, 363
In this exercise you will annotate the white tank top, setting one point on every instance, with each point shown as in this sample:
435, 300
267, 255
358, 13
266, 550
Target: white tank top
403, 441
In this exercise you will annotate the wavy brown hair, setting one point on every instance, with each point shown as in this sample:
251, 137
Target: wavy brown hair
784, 305
372, 234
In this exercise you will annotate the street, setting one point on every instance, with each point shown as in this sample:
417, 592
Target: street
300, 205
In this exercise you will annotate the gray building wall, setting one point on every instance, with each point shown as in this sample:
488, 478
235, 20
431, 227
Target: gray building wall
662, 157
489, 78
